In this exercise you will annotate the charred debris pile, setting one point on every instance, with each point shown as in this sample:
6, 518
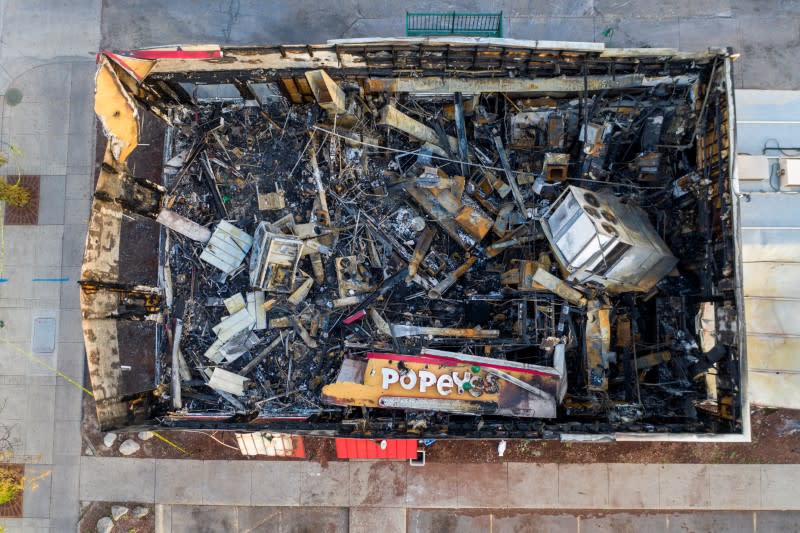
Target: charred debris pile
400, 260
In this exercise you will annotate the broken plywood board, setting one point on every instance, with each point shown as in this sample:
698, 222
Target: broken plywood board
235, 303
235, 330
255, 306
225, 381
227, 247
391, 116
327, 92
183, 225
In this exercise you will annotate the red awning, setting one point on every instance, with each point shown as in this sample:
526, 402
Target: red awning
398, 449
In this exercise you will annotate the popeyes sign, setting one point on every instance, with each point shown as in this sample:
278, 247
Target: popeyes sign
435, 380
444, 383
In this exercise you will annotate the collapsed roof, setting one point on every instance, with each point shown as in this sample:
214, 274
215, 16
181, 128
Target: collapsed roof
424, 236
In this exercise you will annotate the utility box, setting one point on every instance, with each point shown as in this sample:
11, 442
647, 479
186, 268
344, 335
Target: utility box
752, 168
789, 170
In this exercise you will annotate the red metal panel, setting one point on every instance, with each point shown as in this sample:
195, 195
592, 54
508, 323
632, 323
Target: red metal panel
392, 448
299, 447
362, 449
396, 449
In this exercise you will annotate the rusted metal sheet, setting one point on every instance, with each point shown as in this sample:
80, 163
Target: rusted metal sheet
598, 344
451, 278
559, 287
403, 330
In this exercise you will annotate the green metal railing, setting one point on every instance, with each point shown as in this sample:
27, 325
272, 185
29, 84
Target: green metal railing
473, 24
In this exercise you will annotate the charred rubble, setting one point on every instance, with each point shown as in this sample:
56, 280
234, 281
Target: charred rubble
564, 259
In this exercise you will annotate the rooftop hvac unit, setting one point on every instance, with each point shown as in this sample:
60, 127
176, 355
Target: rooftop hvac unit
596, 238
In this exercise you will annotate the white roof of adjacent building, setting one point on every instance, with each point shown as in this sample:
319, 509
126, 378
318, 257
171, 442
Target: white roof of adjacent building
770, 222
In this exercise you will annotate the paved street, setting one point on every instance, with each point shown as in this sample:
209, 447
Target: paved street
766, 33
47, 55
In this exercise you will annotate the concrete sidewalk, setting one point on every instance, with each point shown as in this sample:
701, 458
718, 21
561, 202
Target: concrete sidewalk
470, 486
191, 519
47, 58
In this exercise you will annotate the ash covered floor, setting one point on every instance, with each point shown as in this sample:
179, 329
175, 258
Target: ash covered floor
449, 256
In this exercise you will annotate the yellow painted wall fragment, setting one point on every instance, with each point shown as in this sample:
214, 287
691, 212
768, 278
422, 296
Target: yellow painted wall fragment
116, 111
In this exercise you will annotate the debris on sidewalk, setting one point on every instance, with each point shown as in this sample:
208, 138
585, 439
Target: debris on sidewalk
270, 444
501, 448
411, 255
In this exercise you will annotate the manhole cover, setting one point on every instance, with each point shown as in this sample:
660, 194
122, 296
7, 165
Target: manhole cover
13, 96
44, 335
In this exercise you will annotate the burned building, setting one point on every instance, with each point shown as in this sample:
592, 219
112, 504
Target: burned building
452, 237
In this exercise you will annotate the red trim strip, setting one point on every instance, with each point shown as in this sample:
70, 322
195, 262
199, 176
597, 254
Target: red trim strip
120, 61
157, 54
174, 54
449, 361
